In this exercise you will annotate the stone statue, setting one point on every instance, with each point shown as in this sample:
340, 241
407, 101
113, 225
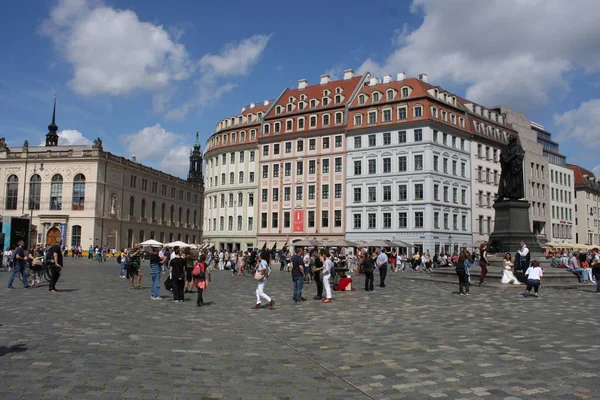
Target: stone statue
113, 204
2, 143
97, 144
26, 146
511, 179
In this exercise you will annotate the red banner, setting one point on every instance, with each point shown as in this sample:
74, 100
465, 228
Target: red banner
298, 220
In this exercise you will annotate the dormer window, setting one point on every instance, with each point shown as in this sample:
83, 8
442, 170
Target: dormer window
291, 99
303, 97
404, 92
338, 90
326, 93
338, 98
361, 99
375, 97
325, 101
301, 105
259, 115
249, 118
240, 119
436, 93
313, 103
290, 107
279, 109
390, 94
224, 139
445, 97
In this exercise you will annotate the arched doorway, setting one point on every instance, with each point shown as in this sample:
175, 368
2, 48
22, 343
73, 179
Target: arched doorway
52, 235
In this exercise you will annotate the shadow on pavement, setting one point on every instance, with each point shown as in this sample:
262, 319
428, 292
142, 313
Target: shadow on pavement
17, 348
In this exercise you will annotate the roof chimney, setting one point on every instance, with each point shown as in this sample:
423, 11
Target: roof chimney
243, 109
423, 77
348, 74
373, 81
252, 105
302, 83
267, 102
324, 79
387, 78
401, 76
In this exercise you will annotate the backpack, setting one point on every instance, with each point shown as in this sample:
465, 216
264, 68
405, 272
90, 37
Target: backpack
119, 259
199, 271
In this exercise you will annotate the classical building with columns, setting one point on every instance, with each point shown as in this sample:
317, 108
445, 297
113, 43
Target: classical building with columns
88, 196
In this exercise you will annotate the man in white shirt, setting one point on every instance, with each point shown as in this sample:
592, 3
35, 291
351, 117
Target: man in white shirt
382, 263
523, 258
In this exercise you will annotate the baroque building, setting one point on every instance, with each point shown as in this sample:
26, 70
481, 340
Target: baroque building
230, 206
587, 206
88, 196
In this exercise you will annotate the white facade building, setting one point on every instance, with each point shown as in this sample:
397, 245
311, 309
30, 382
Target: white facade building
562, 197
410, 183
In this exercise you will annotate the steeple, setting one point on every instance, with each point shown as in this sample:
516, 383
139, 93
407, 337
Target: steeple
52, 136
195, 174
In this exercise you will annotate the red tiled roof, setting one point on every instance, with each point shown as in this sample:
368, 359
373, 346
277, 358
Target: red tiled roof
579, 172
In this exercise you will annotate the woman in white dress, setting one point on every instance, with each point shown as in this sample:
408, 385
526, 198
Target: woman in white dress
507, 274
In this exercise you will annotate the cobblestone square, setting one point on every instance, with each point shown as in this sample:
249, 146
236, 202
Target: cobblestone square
411, 340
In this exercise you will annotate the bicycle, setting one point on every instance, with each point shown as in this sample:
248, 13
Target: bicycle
44, 271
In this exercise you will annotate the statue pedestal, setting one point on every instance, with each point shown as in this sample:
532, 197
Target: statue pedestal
511, 227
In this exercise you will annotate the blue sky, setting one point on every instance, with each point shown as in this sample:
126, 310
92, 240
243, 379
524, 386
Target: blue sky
145, 75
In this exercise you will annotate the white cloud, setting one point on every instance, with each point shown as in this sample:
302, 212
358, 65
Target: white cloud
70, 137
504, 51
112, 51
159, 148
580, 124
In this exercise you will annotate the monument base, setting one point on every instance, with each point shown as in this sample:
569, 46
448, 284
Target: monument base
511, 227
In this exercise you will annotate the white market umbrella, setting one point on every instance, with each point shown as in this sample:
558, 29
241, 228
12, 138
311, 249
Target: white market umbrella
151, 243
178, 243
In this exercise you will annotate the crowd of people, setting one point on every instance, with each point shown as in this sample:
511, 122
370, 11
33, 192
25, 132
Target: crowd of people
33, 261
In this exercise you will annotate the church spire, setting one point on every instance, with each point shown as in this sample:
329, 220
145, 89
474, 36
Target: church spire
52, 136
195, 172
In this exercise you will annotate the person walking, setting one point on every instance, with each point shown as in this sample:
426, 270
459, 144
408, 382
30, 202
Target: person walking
596, 268
483, 263
462, 271
123, 256
55, 259
201, 276
368, 267
156, 262
263, 270
328, 274
298, 275
318, 271
177, 271
382, 263
134, 266
19, 264
534, 277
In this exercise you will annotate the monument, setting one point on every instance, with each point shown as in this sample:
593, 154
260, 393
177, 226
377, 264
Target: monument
512, 223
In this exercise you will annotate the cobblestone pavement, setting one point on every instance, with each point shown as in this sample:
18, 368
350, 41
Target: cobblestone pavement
412, 339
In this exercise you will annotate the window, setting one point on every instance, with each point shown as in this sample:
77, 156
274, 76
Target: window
357, 195
387, 115
338, 141
445, 165
326, 119
455, 222
454, 164
419, 219
324, 219
231, 161
240, 200
462, 144
418, 159
436, 220
446, 224
418, 111
230, 204
299, 192
418, 135
288, 169
402, 137
299, 167
402, 220
372, 117
311, 192
312, 144
35, 188
338, 164
300, 123
455, 195
275, 194
402, 113
372, 141
357, 142
277, 127
286, 219
419, 191
266, 130
263, 220
372, 194
76, 235
338, 190
133, 180
275, 170
231, 178
326, 165
311, 219
446, 194
337, 218
251, 177
250, 223
287, 193
252, 156
387, 193
387, 165
300, 145
312, 167
56, 187
372, 166
288, 147
357, 221
357, 167
436, 192
464, 222
78, 192
372, 219
375, 97
239, 223
143, 209
358, 119
361, 99
463, 193
265, 195
325, 101
266, 150
325, 191
463, 170
313, 121
274, 220
338, 117
402, 193
265, 171
131, 206
436, 160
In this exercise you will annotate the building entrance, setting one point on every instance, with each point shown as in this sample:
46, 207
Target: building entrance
52, 235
